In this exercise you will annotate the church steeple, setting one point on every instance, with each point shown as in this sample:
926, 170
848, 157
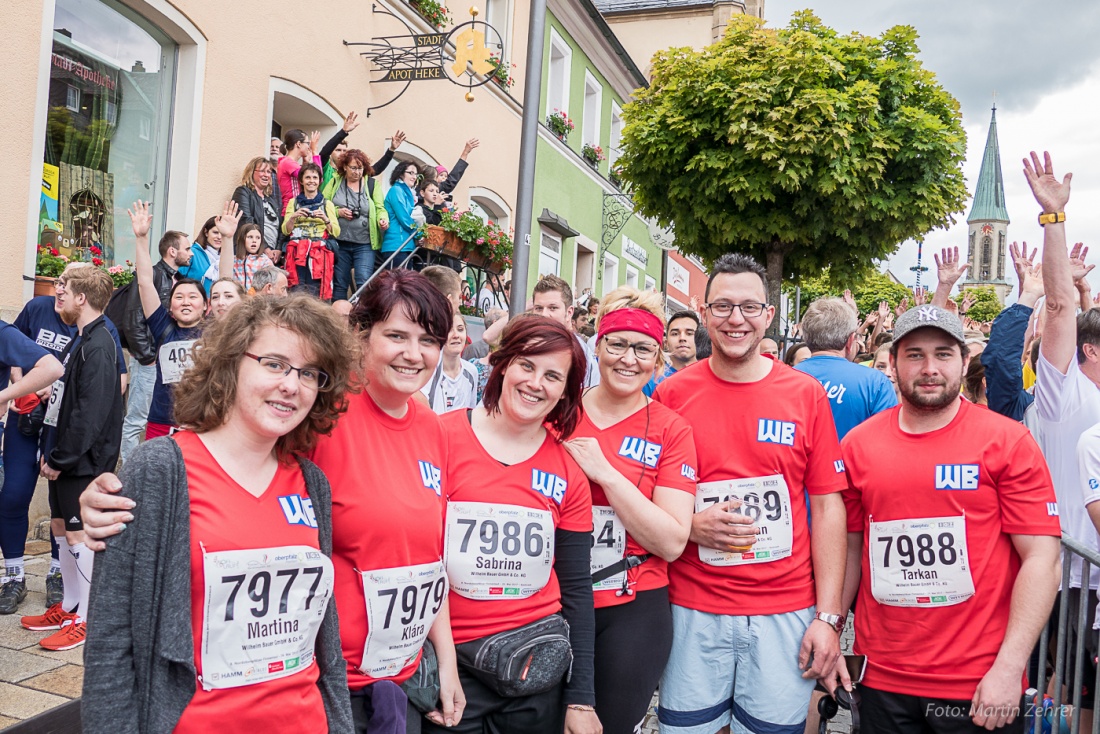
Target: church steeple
989, 197
989, 221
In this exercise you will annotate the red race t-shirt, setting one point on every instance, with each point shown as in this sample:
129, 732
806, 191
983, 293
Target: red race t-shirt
943, 504
752, 438
386, 514
282, 516
500, 524
652, 447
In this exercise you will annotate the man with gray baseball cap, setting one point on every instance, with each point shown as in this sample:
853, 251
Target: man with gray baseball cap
948, 504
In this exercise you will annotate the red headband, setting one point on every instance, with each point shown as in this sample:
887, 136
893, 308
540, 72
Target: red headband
631, 319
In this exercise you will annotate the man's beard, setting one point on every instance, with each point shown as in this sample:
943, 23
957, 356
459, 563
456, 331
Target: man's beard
69, 315
929, 402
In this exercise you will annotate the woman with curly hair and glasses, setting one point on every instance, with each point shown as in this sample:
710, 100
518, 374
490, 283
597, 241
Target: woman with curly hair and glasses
214, 611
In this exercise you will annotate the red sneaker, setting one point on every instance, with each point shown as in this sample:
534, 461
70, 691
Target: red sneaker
70, 636
54, 618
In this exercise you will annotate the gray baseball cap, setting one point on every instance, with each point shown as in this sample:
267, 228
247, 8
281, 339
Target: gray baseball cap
929, 315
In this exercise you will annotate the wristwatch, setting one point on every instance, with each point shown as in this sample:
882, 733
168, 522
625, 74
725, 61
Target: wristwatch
1052, 218
836, 621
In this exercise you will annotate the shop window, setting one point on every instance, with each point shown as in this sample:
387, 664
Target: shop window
110, 99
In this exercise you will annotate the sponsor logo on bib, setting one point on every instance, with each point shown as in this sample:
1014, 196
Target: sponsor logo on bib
1052, 509
770, 431
298, 510
641, 451
956, 476
548, 485
430, 475
52, 340
687, 471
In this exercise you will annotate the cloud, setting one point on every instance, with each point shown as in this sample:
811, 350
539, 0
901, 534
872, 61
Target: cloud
976, 47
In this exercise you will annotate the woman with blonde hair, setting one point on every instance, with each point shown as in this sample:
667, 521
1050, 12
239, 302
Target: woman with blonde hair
224, 295
259, 203
640, 459
181, 602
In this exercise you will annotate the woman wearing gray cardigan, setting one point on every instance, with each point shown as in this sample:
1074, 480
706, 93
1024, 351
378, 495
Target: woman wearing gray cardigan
214, 610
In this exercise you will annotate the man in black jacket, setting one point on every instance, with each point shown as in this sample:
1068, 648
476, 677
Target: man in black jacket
85, 406
175, 253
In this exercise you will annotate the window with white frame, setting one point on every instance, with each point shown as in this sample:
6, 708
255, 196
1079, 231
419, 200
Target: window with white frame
593, 100
650, 284
111, 113
72, 98
498, 14
610, 273
549, 254
616, 134
631, 277
557, 83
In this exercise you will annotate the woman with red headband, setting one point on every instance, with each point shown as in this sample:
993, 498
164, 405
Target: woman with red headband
516, 547
640, 458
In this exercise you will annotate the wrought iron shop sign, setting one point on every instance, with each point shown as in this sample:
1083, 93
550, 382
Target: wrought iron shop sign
467, 55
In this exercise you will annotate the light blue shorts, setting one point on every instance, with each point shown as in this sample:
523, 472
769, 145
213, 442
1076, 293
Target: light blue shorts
742, 671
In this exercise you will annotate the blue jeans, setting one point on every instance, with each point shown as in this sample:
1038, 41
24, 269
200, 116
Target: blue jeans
138, 398
351, 255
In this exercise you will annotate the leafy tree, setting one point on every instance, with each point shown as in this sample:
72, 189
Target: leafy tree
986, 306
869, 290
801, 147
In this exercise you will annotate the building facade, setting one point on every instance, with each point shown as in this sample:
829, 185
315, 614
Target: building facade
110, 101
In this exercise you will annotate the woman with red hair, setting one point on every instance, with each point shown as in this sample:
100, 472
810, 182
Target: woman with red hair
517, 539
362, 211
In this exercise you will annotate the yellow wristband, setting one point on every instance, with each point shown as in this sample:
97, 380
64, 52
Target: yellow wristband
1052, 218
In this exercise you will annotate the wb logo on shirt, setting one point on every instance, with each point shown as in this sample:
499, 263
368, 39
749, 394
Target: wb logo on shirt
641, 451
957, 476
548, 485
769, 431
430, 475
298, 510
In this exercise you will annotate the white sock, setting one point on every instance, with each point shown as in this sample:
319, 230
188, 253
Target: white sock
68, 575
55, 566
13, 569
84, 559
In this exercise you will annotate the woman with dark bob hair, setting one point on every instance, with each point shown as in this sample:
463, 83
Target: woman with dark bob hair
386, 458
359, 204
400, 202
214, 611
517, 542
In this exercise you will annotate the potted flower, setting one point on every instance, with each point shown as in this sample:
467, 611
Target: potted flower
435, 13
559, 124
492, 251
593, 154
615, 176
501, 73
121, 274
48, 265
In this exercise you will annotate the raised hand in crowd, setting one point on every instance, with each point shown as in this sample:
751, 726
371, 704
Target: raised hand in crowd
227, 221
397, 139
903, 306
1078, 270
1020, 259
351, 122
850, 300
949, 268
968, 301
1031, 284
469, 147
920, 296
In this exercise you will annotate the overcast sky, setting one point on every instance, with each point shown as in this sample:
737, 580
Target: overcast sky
1043, 62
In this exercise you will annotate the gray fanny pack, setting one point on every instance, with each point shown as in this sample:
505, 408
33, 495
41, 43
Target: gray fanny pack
521, 662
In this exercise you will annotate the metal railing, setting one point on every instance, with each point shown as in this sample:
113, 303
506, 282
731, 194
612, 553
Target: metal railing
1065, 659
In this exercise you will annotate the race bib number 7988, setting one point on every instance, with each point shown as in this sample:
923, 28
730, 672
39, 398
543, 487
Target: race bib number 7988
920, 562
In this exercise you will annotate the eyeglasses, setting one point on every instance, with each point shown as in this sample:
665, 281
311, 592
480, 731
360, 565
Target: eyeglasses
308, 376
357, 169
724, 310
644, 351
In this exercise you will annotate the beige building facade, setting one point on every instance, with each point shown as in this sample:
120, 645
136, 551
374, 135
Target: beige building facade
108, 101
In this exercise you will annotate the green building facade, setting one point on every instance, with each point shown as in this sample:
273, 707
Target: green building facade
583, 227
